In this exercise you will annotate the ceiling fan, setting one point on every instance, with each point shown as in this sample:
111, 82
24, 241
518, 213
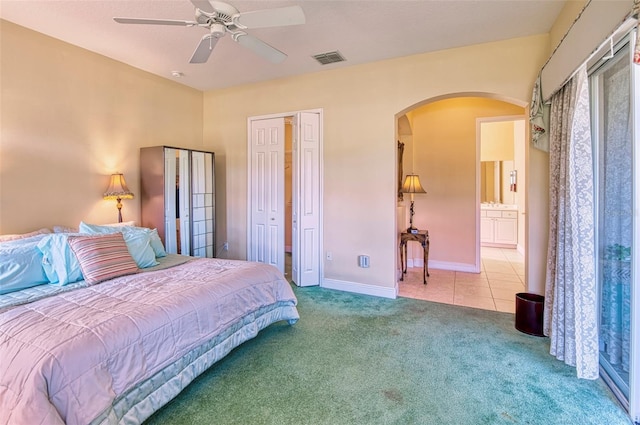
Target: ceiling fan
221, 18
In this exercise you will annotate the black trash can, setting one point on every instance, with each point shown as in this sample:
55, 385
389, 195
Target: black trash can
529, 313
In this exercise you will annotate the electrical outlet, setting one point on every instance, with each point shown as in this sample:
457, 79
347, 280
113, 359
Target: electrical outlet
225, 247
329, 256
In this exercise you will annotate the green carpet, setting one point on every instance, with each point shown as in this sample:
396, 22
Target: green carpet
354, 359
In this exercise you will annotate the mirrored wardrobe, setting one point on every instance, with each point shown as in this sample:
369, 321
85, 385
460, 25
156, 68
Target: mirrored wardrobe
178, 198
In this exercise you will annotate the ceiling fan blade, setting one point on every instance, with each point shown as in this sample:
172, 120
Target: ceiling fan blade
203, 5
260, 47
283, 16
154, 21
204, 49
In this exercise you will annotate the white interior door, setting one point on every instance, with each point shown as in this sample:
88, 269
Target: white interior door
267, 206
306, 199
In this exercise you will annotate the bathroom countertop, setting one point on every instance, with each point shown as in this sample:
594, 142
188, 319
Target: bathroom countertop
501, 207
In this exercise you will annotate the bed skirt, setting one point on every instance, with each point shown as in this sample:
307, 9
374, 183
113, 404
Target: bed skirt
149, 396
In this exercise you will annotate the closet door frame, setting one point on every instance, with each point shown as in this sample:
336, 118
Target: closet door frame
317, 253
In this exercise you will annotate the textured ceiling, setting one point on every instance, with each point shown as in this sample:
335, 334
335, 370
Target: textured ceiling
363, 31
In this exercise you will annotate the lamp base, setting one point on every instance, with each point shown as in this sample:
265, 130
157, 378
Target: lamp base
412, 230
119, 206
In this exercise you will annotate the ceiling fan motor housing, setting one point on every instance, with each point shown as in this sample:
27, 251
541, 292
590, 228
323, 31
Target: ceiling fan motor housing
217, 30
204, 18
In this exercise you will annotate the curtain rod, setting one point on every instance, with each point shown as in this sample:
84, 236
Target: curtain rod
565, 35
623, 26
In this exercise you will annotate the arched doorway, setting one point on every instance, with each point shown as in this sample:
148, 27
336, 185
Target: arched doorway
442, 147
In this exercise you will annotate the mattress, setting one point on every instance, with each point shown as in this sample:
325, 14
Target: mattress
117, 351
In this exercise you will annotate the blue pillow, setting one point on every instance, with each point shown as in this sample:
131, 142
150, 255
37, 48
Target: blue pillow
96, 229
139, 245
156, 242
58, 259
20, 266
138, 241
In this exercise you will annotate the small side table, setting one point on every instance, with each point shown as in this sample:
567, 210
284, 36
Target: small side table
423, 237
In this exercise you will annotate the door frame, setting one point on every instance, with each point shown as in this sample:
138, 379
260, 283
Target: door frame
295, 175
521, 183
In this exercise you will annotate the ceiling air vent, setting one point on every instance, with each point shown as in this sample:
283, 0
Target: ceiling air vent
329, 57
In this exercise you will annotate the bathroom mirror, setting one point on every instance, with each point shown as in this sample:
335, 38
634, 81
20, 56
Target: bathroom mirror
495, 182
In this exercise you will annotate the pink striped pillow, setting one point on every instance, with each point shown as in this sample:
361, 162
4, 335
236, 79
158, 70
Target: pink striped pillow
102, 257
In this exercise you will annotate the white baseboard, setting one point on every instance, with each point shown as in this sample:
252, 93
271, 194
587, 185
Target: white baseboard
360, 288
412, 263
446, 265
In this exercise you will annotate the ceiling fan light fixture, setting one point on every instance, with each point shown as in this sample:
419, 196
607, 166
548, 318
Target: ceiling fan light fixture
218, 30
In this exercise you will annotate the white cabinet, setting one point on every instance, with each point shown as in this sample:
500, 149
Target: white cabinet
178, 198
487, 228
499, 228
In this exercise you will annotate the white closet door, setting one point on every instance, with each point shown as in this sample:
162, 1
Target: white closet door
306, 208
266, 235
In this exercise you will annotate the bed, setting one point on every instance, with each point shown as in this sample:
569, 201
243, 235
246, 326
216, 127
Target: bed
117, 350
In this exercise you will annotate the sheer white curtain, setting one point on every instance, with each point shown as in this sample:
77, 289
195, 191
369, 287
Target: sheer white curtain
570, 314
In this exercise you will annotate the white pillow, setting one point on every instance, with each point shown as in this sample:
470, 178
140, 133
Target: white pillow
122, 224
64, 229
7, 238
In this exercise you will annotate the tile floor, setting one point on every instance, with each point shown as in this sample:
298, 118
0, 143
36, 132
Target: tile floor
494, 288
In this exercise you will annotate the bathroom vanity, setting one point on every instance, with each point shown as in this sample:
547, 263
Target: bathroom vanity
498, 225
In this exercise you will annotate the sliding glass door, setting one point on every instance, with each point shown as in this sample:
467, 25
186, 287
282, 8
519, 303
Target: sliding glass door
614, 97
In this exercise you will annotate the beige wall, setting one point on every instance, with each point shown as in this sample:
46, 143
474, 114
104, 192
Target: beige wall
497, 140
360, 105
70, 118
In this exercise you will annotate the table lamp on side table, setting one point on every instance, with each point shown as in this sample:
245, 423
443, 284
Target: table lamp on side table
118, 190
412, 185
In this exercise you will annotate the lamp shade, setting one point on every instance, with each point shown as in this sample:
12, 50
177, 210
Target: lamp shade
118, 188
412, 184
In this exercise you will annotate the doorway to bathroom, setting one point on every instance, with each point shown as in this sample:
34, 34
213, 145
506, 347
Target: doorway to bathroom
501, 181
